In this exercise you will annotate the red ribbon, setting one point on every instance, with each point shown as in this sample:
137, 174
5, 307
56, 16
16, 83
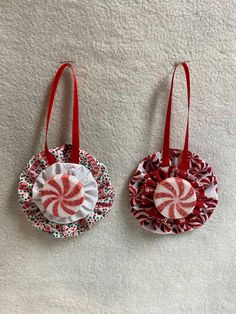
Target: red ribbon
75, 120
184, 162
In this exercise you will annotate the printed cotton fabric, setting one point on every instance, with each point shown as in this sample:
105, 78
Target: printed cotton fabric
150, 173
62, 154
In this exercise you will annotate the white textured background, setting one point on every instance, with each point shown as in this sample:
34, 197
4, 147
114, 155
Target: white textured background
124, 53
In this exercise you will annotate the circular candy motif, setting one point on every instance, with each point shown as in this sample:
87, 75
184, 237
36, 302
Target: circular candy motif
147, 205
62, 195
174, 198
65, 192
32, 180
36, 174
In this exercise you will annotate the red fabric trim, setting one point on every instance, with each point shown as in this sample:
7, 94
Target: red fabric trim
75, 119
184, 162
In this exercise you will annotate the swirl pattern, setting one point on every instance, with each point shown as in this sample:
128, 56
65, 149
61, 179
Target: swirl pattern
88, 215
174, 198
145, 203
62, 195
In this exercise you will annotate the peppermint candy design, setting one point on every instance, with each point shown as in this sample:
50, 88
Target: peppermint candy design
169, 200
62, 195
65, 192
174, 198
98, 192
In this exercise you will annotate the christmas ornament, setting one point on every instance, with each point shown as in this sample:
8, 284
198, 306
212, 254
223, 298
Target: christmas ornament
64, 191
173, 191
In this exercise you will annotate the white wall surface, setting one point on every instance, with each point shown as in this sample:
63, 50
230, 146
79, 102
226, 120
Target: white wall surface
124, 53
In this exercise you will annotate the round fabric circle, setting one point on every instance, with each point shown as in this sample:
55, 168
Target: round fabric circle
198, 197
174, 198
89, 178
65, 192
61, 197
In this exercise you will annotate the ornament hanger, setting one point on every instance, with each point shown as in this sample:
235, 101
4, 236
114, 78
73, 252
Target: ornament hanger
67, 61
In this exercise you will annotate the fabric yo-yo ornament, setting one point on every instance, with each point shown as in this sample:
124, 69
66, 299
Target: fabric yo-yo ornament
65, 190
173, 191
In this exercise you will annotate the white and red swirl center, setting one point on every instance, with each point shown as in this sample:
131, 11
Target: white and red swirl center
62, 195
174, 198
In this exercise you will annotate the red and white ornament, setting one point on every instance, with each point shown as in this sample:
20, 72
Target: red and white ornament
149, 176
31, 183
64, 191
173, 191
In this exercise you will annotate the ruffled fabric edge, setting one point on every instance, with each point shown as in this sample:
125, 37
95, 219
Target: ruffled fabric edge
149, 173
62, 154
79, 172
